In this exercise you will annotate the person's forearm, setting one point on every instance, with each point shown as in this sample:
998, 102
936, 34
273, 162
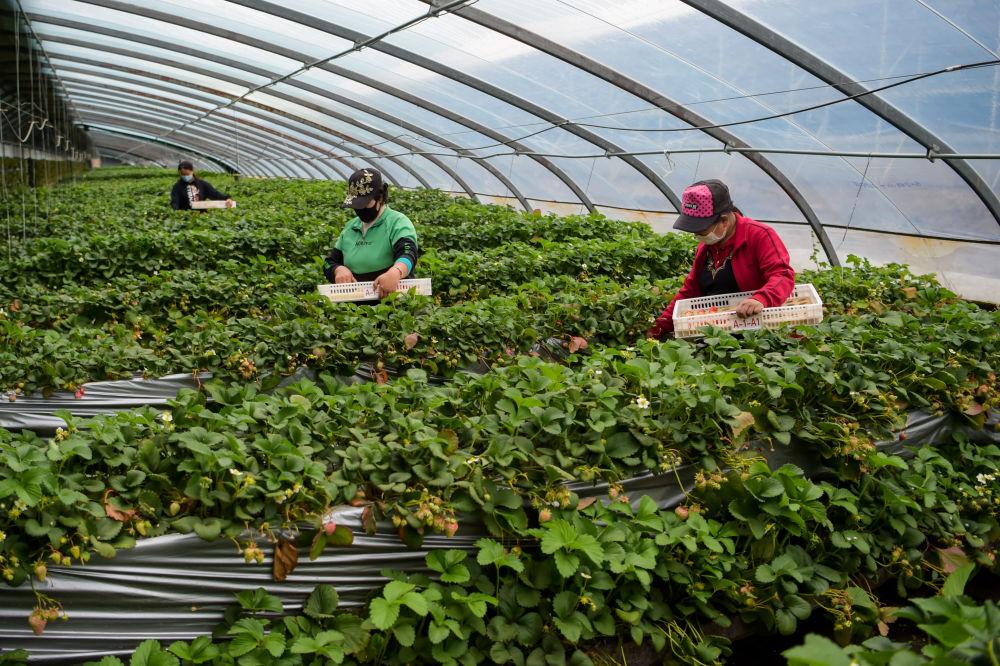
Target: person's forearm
332, 262
403, 269
405, 254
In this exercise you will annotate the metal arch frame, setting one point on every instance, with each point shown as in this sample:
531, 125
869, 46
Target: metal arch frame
104, 150
278, 119
134, 55
224, 163
278, 50
156, 77
839, 80
235, 64
102, 132
94, 105
496, 173
482, 86
204, 142
126, 53
96, 92
101, 144
659, 100
215, 76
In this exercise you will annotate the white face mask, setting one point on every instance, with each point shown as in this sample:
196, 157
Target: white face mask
712, 239
187, 178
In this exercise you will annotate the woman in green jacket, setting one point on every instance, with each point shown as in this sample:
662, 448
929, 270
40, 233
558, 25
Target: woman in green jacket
379, 244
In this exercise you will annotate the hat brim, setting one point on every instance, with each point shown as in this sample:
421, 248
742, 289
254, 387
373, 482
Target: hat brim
357, 203
695, 225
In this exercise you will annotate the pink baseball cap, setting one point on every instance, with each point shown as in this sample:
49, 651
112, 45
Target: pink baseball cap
701, 205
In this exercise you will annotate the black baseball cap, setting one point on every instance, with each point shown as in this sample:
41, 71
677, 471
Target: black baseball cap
362, 187
185, 164
701, 205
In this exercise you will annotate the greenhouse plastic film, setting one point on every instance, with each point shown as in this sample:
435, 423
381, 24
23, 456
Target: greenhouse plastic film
177, 586
37, 412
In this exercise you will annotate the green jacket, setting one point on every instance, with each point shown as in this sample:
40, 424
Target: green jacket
390, 239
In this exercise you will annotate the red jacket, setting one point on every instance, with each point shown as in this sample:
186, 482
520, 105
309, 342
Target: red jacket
760, 264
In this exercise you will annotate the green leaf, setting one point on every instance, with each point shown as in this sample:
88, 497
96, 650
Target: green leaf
621, 445
571, 629
322, 602
149, 653
954, 585
558, 534
415, 602
797, 606
200, 651
383, 613
248, 626
275, 644
318, 544
564, 603
209, 529
785, 622
342, 536
449, 564
566, 563
259, 600
405, 634
817, 651
490, 552
395, 589
437, 632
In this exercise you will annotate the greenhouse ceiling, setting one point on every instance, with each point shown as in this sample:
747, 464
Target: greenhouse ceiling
865, 126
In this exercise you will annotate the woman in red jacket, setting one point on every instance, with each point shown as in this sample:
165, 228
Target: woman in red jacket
736, 254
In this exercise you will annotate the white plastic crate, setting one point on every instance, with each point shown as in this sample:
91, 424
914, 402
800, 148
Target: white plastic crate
205, 205
365, 291
803, 307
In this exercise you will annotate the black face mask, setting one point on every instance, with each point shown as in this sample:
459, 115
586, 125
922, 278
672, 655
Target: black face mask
368, 214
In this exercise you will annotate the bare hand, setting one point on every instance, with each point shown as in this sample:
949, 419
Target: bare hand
748, 308
388, 282
230, 203
343, 275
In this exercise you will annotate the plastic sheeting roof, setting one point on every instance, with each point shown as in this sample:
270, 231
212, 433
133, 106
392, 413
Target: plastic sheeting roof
592, 103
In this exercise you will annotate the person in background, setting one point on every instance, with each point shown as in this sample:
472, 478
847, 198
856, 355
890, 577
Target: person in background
379, 244
735, 254
189, 188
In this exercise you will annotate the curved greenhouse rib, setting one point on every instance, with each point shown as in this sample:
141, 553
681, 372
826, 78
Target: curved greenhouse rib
131, 122
224, 163
496, 173
106, 91
239, 82
41, 18
156, 83
249, 40
155, 77
643, 92
97, 104
467, 80
821, 69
